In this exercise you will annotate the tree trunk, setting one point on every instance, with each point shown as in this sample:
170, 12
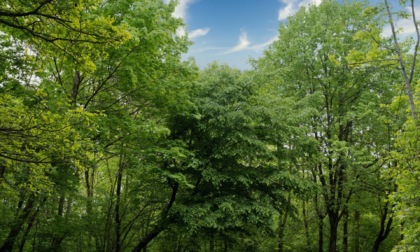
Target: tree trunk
408, 75
8, 244
146, 240
58, 238
77, 80
212, 243
333, 218
165, 220
345, 230
320, 234
31, 223
89, 182
356, 231
282, 227
117, 206
386, 227
319, 214
2, 171
306, 224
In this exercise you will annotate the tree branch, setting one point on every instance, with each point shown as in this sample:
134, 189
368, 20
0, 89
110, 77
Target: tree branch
407, 79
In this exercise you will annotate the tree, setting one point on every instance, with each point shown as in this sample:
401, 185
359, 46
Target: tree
314, 62
406, 158
96, 81
228, 178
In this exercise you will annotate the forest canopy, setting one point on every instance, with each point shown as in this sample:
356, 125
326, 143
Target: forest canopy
111, 141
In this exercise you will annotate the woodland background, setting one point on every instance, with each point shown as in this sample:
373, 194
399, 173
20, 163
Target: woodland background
109, 141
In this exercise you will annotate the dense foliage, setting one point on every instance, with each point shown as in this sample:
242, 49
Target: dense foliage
111, 142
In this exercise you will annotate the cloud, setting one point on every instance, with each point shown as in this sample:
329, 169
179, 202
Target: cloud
292, 6
181, 8
198, 33
181, 11
262, 46
243, 43
405, 27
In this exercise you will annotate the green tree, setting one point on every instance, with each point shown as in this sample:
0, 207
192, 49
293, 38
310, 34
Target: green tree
313, 61
95, 104
234, 184
405, 156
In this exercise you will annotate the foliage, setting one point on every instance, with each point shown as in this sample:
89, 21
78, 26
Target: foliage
324, 60
230, 163
111, 142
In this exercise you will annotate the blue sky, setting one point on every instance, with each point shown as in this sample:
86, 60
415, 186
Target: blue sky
232, 31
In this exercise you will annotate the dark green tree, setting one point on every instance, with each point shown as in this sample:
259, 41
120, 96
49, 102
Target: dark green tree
234, 183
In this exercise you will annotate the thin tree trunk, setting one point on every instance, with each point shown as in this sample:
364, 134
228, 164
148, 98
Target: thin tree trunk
319, 214
282, 227
320, 233
77, 80
345, 230
89, 183
58, 239
109, 221
408, 77
117, 206
306, 224
212, 243
356, 231
2, 171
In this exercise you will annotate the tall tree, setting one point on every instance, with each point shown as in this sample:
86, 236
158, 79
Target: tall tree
313, 59
405, 171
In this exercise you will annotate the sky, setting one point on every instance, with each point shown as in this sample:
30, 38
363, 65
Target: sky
232, 31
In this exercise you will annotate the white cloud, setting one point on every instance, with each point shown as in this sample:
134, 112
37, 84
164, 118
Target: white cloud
243, 44
405, 27
263, 45
292, 6
181, 9
288, 10
181, 12
198, 33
